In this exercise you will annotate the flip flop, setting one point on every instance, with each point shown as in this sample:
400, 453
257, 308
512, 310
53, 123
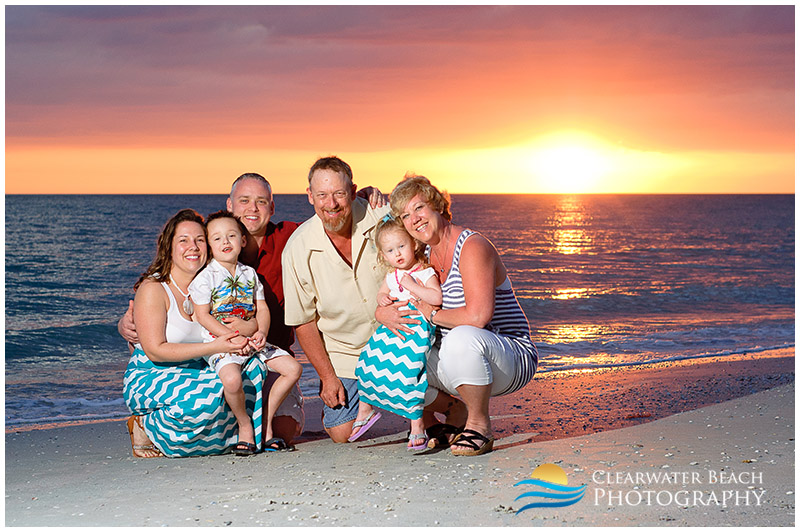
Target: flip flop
442, 435
244, 448
421, 446
365, 425
147, 447
277, 444
469, 438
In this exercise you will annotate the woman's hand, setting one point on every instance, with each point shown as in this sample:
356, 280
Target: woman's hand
395, 320
374, 196
232, 342
424, 308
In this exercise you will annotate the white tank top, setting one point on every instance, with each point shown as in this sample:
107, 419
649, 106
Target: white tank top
179, 329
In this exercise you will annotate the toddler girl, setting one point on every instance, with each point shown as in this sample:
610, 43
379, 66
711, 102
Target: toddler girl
390, 371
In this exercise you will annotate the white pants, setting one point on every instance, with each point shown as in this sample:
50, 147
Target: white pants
470, 355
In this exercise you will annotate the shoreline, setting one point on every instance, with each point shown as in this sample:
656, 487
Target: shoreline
733, 416
540, 376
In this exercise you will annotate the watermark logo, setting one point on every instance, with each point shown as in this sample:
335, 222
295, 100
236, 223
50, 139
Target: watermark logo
684, 489
553, 480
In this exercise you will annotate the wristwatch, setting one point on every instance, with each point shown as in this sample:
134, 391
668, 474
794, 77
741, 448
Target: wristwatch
433, 314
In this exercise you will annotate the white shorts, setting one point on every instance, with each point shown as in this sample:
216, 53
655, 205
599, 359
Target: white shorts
470, 355
267, 353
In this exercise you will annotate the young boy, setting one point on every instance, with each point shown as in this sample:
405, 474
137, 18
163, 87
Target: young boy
224, 288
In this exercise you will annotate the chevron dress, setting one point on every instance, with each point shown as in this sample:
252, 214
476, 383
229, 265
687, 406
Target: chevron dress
391, 371
182, 406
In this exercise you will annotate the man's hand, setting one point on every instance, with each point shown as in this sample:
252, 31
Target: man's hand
126, 327
374, 196
395, 320
332, 392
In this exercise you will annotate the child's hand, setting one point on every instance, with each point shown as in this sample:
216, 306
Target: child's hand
409, 283
258, 340
385, 300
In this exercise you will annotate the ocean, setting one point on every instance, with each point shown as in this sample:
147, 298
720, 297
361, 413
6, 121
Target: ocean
605, 280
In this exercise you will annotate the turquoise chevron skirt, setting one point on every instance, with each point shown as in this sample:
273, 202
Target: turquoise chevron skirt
182, 406
391, 371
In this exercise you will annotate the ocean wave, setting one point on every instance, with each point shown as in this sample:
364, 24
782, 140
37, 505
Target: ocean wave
38, 411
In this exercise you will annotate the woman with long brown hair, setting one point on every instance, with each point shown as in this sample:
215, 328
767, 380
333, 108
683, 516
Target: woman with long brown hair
176, 399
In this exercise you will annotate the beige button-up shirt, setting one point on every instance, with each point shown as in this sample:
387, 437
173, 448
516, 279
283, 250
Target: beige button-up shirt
319, 285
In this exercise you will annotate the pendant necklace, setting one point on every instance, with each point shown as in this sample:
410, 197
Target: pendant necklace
396, 278
188, 308
447, 244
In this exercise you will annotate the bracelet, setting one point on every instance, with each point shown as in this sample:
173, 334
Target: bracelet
433, 313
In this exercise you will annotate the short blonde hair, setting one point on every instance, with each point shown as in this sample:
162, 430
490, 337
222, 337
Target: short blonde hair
413, 184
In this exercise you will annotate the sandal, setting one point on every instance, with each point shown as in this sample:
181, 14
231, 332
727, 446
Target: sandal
419, 447
365, 425
244, 448
468, 438
146, 447
442, 435
277, 444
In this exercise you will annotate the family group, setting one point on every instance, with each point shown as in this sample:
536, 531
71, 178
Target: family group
395, 306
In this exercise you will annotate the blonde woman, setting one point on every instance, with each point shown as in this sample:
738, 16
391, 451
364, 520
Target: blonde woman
483, 346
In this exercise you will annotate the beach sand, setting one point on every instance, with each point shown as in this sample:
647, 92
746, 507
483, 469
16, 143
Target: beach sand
697, 425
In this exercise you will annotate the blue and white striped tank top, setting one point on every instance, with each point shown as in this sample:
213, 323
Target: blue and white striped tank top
508, 319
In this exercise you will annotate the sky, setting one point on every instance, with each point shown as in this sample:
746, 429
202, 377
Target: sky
480, 99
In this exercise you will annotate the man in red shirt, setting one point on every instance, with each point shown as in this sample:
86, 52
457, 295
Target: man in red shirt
251, 200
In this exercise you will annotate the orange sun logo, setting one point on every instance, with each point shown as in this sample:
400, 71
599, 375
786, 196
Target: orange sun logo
557, 490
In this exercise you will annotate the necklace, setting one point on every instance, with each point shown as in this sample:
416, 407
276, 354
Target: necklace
188, 308
396, 278
446, 246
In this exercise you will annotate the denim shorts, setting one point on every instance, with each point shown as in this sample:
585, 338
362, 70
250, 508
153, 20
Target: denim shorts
333, 417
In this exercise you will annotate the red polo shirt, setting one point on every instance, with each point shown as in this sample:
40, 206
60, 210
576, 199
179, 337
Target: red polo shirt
268, 266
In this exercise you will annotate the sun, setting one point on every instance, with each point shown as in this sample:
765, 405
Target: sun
550, 473
570, 162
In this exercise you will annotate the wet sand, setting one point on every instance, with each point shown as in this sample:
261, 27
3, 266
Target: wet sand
707, 421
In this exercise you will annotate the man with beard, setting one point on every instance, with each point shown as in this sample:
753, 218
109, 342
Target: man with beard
330, 282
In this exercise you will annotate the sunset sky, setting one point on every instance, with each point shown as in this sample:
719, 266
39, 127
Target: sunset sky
512, 99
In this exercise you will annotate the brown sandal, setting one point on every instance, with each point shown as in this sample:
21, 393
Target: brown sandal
469, 439
442, 435
147, 447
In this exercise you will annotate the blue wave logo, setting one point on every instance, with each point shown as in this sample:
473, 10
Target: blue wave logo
557, 493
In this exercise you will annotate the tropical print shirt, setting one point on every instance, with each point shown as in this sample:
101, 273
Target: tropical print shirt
228, 295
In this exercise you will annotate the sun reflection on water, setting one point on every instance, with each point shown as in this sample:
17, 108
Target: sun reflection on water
570, 293
576, 333
569, 222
